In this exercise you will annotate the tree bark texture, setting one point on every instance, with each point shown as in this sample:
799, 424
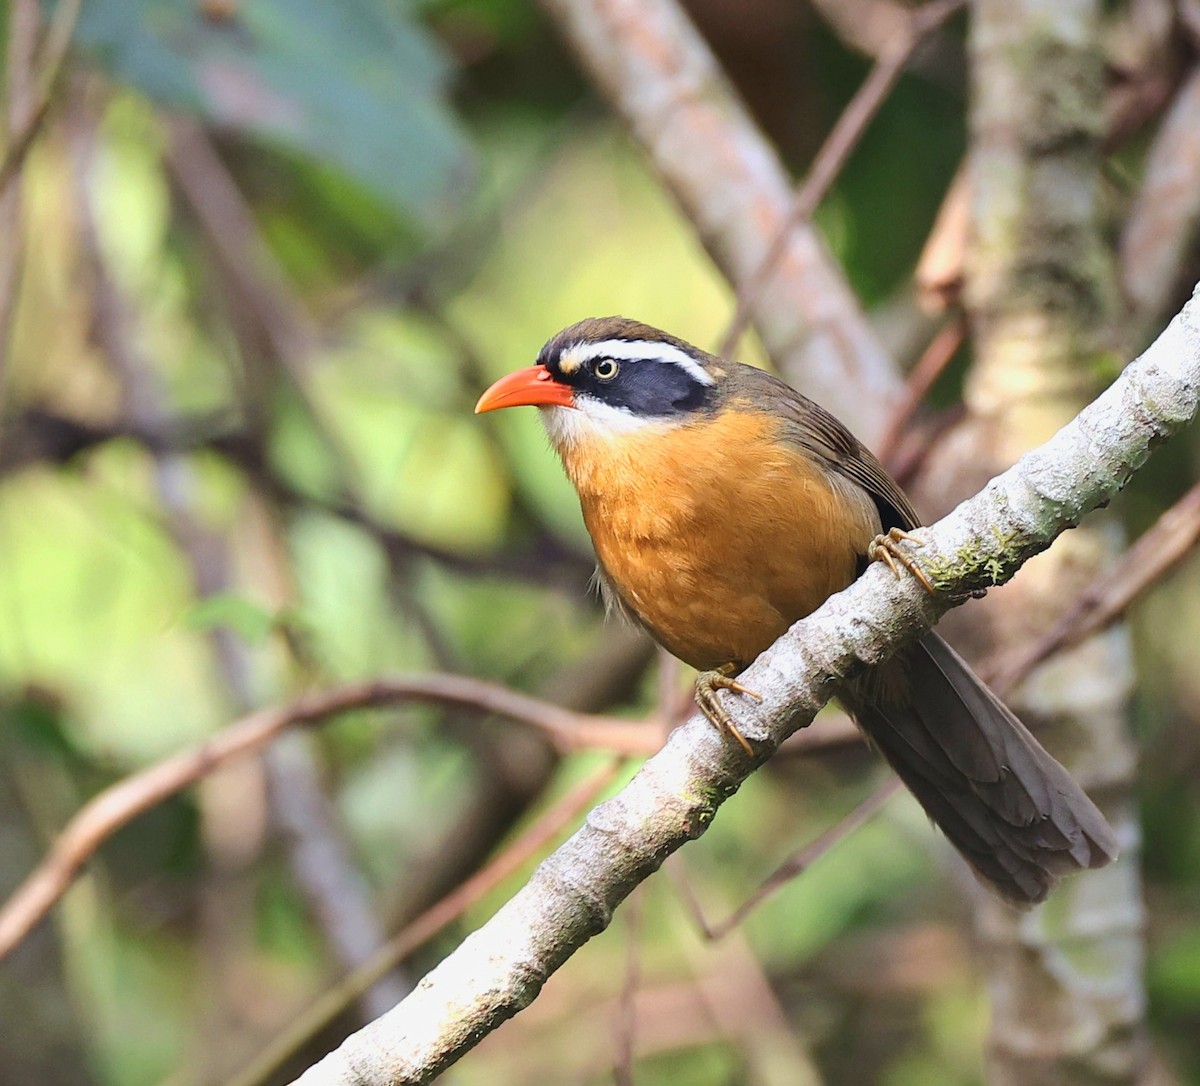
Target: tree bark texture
1065, 981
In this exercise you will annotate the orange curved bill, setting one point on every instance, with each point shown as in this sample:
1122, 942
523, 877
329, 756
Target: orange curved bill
533, 385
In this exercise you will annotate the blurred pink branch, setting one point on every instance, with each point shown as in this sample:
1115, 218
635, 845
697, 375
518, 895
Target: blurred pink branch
831, 158
793, 866
1158, 551
28, 113
118, 804
1165, 214
23, 22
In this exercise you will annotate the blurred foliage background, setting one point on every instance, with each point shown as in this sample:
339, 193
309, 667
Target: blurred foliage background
272, 252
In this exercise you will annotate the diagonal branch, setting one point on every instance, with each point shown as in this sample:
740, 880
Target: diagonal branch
1155, 240
1111, 594
834, 153
501, 968
24, 128
794, 866
659, 74
430, 923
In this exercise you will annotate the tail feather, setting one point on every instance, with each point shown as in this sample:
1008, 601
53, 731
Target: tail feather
1012, 811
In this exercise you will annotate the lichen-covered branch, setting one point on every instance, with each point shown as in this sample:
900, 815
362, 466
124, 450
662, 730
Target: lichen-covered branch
501, 968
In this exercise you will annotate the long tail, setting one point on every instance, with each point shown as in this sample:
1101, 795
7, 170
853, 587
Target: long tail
1012, 811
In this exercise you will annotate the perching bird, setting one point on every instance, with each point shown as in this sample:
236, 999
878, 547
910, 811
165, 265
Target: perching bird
723, 507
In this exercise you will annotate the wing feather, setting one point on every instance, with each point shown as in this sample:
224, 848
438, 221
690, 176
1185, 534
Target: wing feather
810, 427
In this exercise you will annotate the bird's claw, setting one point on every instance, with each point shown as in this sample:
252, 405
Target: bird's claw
707, 685
887, 548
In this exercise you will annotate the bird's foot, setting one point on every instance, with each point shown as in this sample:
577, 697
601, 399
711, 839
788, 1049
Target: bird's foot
887, 548
707, 685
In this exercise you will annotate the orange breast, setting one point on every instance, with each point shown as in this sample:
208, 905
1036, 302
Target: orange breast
716, 534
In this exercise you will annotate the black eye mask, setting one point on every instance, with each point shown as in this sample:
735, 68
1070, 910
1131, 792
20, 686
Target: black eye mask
644, 387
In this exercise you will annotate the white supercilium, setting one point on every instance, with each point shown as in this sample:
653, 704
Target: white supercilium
640, 350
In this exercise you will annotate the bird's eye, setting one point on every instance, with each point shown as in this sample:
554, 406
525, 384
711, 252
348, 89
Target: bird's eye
605, 369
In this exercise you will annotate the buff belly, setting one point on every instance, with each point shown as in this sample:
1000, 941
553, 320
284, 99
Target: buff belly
717, 535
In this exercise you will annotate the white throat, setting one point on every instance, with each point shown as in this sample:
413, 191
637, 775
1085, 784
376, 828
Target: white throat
590, 420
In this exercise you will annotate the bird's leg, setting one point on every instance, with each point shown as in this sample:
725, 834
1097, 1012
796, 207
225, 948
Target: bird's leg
886, 548
707, 685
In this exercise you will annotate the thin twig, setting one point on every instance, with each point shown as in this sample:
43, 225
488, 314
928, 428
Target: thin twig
22, 134
794, 865
118, 804
626, 1016
930, 366
909, 457
23, 22
1104, 601
430, 923
258, 283
834, 152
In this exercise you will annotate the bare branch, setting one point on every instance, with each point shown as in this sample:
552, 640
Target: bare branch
930, 366
797, 863
23, 21
118, 804
434, 920
833, 154
660, 75
23, 130
501, 968
1108, 597
230, 226
1165, 214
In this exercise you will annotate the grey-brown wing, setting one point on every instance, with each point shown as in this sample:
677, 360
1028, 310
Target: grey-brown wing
821, 435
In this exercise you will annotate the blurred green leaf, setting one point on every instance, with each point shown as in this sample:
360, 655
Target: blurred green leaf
1175, 972
355, 84
38, 723
249, 620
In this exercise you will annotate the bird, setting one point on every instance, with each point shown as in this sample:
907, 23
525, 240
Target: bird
723, 506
